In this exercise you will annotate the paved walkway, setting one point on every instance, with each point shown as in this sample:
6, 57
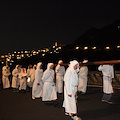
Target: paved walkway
20, 106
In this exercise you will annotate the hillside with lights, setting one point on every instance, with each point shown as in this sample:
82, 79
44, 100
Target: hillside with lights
94, 45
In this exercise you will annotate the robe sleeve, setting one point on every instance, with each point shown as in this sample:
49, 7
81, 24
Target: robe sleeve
68, 83
5, 73
46, 75
112, 72
100, 68
14, 73
57, 68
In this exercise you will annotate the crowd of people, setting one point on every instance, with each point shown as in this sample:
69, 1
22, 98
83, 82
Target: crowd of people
46, 84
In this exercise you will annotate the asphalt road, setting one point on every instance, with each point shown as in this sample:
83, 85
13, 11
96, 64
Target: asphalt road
20, 106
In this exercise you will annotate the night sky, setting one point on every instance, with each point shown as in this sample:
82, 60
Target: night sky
38, 25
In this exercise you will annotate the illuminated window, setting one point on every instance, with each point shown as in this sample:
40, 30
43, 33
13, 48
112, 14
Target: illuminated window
77, 48
118, 46
85, 48
107, 48
2, 56
93, 48
43, 54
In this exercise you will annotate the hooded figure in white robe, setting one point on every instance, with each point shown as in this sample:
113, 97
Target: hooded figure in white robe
70, 89
23, 79
60, 71
31, 77
5, 77
37, 85
108, 75
15, 78
82, 75
49, 89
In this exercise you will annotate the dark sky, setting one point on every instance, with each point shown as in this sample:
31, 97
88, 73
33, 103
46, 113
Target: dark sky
38, 25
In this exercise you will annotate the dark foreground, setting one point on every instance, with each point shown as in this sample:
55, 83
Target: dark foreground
20, 106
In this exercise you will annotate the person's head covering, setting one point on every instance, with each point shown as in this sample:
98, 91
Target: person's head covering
85, 61
60, 61
38, 65
72, 64
23, 69
34, 66
16, 66
48, 65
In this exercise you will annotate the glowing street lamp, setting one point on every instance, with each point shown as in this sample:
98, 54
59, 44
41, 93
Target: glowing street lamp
85, 48
107, 48
118, 46
93, 48
77, 48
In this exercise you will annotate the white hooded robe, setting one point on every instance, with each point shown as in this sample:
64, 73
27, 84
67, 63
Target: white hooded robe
49, 89
5, 77
37, 89
15, 78
70, 88
82, 75
60, 71
108, 74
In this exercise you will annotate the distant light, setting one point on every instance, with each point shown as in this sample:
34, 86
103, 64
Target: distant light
30, 54
77, 48
44, 51
118, 26
2, 62
27, 54
14, 51
18, 52
6, 55
22, 55
107, 48
13, 55
93, 48
10, 63
50, 52
21, 51
56, 48
56, 44
26, 51
53, 46
118, 46
59, 47
28, 80
18, 57
2, 56
43, 54
47, 49
85, 48
37, 52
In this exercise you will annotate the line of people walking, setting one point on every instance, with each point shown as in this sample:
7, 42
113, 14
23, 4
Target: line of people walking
47, 84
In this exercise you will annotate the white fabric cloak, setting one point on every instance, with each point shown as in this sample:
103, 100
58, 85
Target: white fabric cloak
60, 71
70, 88
37, 89
5, 77
108, 74
49, 89
15, 78
82, 75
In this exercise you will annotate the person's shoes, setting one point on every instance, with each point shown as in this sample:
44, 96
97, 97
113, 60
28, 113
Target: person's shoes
109, 102
103, 100
33, 98
68, 114
83, 93
76, 117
